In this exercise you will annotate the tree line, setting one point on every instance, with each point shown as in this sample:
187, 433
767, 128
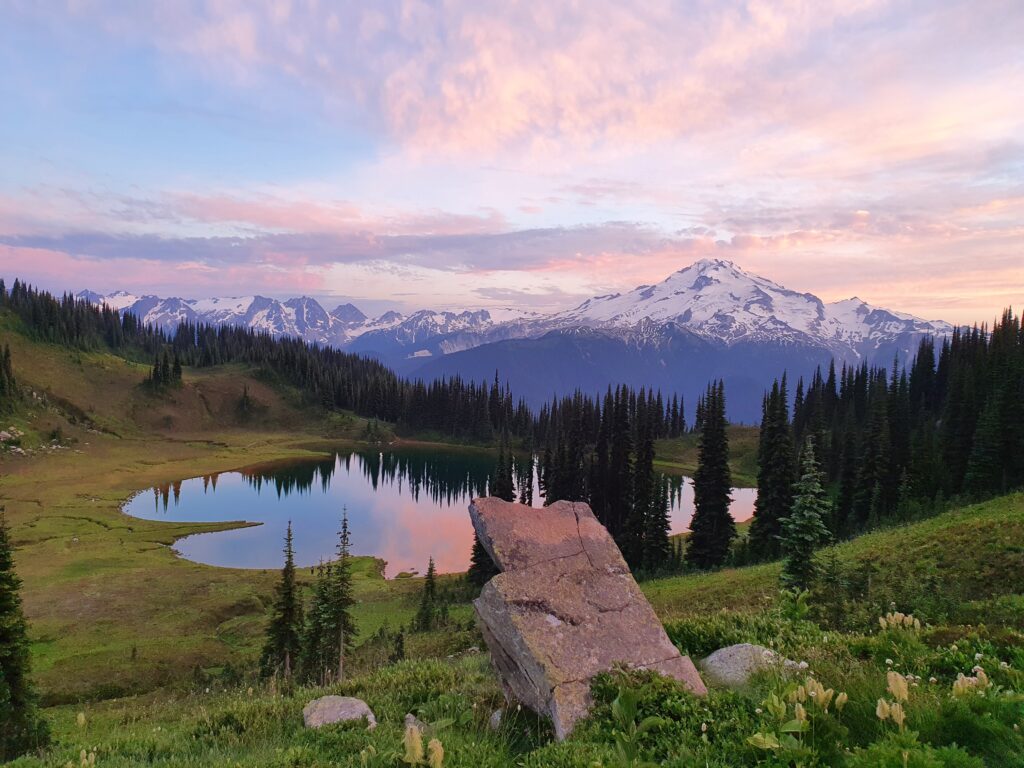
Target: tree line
898, 443
327, 377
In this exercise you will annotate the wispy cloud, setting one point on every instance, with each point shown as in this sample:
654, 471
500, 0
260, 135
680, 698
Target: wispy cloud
514, 152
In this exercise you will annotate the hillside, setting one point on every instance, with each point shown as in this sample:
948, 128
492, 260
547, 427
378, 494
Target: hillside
968, 613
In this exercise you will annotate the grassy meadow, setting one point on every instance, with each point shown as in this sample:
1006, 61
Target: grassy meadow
143, 658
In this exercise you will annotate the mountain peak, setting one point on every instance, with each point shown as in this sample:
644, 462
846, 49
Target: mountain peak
708, 264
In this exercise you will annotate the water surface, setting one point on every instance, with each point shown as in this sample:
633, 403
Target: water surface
403, 506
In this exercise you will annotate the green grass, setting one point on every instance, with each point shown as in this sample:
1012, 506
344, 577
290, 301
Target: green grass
679, 455
950, 567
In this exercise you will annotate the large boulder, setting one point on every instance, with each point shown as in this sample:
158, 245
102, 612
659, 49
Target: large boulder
564, 608
337, 709
734, 665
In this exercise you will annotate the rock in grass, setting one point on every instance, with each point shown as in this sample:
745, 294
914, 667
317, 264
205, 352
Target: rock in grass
564, 608
411, 721
494, 722
337, 709
733, 666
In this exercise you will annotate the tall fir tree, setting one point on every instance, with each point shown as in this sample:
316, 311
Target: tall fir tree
657, 553
712, 528
284, 635
644, 492
804, 530
21, 728
774, 475
504, 481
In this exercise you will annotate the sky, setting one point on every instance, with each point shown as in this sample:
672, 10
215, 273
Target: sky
474, 153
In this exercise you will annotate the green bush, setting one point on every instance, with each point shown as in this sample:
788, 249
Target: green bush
903, 750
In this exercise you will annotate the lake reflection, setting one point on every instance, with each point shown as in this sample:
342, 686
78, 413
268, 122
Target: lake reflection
403, 506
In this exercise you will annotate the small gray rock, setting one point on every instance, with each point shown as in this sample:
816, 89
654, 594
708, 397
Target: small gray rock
411, 719
337, 709
733, 666
494, 723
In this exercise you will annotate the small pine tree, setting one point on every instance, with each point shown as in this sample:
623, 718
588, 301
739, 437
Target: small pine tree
398, 649
165, 369
314, 663
245, 403
804, 529
481, 567
21, 728
341, 629
283, 645
426, 616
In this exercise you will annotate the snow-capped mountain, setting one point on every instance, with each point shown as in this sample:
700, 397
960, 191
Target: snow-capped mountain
717, 300
418, 335
710, 319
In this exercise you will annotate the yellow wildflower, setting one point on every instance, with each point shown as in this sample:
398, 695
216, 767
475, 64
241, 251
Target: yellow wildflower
882, 709
435, 754
897, 686
413, 746
897, 714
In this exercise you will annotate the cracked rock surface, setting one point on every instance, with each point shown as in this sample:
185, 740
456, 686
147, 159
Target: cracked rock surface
564, 608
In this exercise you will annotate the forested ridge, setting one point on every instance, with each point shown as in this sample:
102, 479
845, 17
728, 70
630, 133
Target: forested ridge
325, 376
896, 444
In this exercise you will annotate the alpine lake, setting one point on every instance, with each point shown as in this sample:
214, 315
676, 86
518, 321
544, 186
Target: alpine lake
404, 505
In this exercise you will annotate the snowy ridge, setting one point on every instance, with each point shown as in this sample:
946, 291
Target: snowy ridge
712, 299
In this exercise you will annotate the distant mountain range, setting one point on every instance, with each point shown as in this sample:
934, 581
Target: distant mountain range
709, 320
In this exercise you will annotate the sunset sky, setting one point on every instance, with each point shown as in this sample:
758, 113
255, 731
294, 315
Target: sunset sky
465, 154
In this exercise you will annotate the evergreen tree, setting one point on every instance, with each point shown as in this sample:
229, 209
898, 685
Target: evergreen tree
619, 498
398, 649
804, 529
282, 649
341, 628
21, 728
9, 392
644, 494
712, 528
874, 485
165, 369
774, 475
481, 567
984, 474
657, 552
426, 616
504, 484
314, 662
